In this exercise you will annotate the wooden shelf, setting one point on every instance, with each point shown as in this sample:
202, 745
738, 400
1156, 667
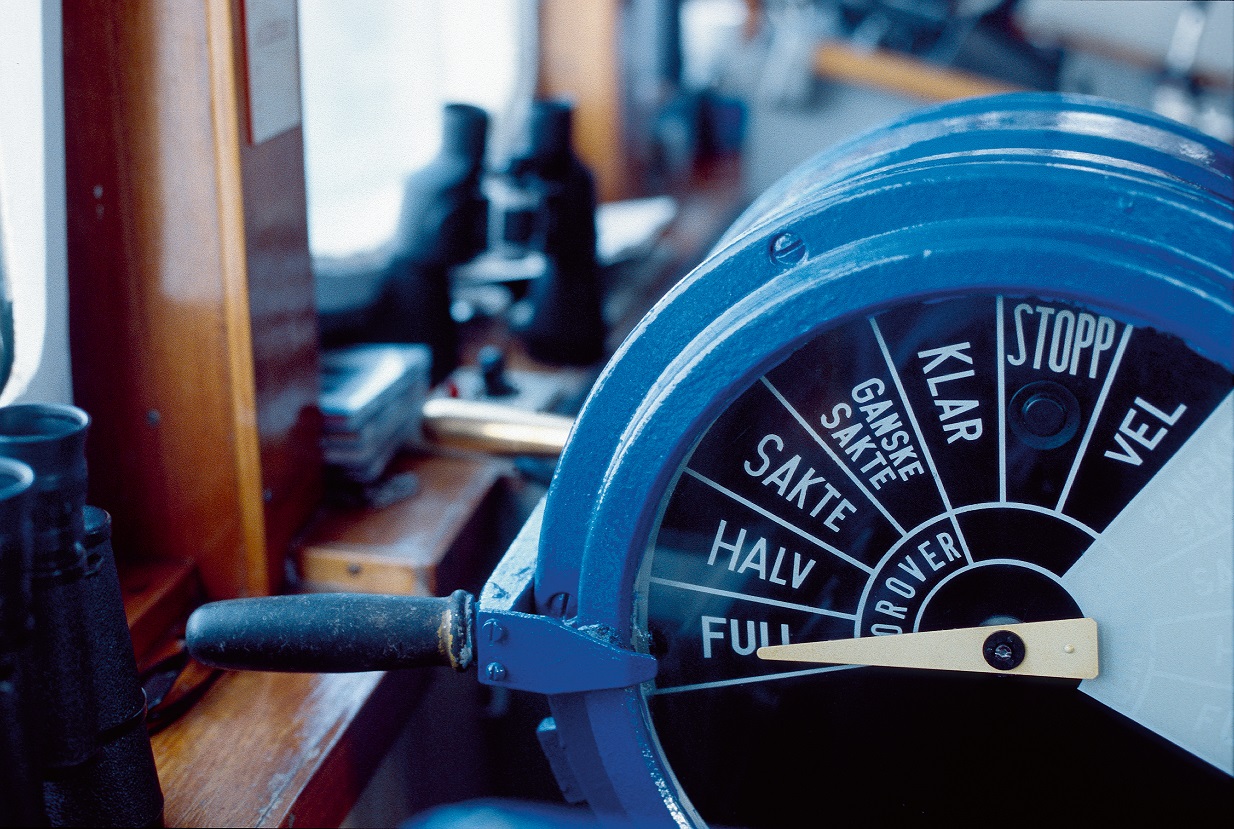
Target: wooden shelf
400, 549
265, 749
901, 73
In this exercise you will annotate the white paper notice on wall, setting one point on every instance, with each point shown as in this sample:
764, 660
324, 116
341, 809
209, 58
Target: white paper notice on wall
272, 54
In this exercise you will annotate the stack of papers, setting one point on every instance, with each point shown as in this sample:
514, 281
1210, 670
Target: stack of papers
371, 399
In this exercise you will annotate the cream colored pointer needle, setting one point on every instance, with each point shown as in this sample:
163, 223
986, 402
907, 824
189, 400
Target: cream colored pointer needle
1066, 648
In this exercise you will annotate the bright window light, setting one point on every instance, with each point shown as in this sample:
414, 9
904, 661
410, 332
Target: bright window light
32, 212
375, 75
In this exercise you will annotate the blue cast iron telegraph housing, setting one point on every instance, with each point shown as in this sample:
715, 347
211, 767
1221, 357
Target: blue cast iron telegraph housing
970, 370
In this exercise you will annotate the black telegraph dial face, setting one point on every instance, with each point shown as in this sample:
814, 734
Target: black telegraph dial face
961, 462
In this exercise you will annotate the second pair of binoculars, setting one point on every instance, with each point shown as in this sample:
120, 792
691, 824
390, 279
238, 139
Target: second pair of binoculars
74, 750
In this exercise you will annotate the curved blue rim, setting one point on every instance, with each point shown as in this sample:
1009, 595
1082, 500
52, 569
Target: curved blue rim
1055, 197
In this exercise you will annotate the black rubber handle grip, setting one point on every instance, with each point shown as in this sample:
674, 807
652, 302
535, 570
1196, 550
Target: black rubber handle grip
334, 632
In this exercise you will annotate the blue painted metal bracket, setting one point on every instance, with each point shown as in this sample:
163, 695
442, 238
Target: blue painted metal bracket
527, 652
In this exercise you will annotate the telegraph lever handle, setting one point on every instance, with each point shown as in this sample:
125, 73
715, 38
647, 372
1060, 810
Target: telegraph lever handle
334, 632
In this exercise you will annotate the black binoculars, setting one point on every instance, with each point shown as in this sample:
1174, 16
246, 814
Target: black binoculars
544, 204
74, 750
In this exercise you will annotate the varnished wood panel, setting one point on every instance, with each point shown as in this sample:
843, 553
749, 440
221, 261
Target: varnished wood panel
283, 327
174, 230
901, 74
402, 548
580, 60
158, 594
267, 749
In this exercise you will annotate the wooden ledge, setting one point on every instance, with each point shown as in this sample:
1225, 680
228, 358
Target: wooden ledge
403, 548
265, 749
901, 73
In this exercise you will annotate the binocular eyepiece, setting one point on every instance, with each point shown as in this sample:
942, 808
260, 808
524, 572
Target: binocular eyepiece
19, 790
72, 709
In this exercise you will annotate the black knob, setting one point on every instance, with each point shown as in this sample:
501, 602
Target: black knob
1044, 414
492, 363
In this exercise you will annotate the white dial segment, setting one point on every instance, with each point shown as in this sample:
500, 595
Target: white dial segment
1167, 635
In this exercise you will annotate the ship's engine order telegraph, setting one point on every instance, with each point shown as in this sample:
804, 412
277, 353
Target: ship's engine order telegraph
914, 499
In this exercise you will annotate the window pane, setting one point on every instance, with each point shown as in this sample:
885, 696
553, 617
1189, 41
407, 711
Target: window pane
375, 76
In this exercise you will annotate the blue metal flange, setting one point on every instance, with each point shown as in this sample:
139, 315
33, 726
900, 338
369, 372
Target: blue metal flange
527, 652
524, 651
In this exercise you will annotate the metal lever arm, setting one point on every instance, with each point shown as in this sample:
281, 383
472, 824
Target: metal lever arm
334, 632
494, 427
